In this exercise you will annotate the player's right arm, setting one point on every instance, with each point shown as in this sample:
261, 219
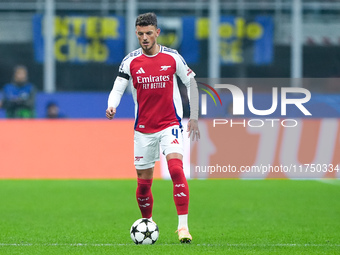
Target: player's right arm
115, 96
119, 87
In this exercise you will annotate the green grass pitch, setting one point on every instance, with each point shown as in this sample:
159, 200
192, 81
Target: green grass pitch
226, 217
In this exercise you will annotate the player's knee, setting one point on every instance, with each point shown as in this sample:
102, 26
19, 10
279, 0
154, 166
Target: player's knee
176, 169
145, 173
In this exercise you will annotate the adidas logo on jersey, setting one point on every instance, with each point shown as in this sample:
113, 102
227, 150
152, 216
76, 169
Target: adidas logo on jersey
141, 70
175, 142
180, 195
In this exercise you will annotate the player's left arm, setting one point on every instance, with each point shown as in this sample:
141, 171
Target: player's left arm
187, 77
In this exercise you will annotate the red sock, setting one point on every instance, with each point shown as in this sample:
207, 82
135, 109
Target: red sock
181, 189
144, 197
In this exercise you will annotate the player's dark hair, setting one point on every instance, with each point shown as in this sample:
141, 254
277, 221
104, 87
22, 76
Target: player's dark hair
146, 19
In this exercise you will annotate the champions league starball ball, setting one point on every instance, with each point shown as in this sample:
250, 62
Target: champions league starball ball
144, 231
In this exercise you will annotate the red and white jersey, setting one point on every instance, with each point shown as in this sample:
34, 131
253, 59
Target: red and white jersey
158, 103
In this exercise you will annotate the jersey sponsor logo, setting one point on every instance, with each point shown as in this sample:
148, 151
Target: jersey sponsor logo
150, 78
138, 158
141, 126
164, 68
180, 195
155, 85
175, 142
140, 71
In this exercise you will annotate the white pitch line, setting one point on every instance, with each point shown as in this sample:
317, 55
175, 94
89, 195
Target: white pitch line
330, 181
232, 245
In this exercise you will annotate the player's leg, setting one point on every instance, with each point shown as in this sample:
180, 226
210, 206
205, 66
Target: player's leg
172, 145
180, 186
181, 195
143, 193
146, 151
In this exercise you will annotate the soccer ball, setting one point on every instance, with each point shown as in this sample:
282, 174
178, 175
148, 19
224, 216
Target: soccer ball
144, 231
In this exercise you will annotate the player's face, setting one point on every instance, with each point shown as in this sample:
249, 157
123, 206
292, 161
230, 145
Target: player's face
147, 37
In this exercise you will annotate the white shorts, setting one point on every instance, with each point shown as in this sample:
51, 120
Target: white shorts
146, 146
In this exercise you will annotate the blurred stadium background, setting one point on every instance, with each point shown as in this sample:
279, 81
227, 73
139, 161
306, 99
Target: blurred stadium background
257, 39
74, 60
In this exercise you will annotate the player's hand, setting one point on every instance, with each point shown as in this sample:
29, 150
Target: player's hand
110, 112
193, 130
